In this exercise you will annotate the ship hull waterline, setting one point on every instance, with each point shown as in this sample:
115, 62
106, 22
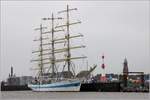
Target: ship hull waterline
58, 86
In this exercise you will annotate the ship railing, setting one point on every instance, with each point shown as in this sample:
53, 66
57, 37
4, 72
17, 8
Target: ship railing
51, 80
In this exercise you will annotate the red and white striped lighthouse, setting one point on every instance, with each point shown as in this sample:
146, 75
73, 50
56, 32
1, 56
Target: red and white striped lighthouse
103, 76
103, 65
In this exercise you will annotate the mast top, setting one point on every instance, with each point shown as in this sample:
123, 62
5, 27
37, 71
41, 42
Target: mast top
67, 10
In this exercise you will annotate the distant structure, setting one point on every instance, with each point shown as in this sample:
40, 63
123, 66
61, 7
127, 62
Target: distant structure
125, 72
12, 80
11, 72
125, 67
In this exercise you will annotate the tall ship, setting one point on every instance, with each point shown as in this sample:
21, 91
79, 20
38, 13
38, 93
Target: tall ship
54, 43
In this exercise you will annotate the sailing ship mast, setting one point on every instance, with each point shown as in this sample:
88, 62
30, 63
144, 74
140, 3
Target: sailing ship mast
43, 51
52, 41
55, 80
41, 69
68, 60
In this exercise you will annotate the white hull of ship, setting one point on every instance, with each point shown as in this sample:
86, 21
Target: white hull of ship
58, 86
57, 89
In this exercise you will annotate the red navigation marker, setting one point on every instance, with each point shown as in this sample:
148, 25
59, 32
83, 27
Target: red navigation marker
103, 56
103, 66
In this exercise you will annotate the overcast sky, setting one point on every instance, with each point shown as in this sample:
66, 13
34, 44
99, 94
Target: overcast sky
118, 29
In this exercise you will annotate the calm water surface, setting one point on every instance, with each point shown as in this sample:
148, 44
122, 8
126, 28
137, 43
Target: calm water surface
29, 95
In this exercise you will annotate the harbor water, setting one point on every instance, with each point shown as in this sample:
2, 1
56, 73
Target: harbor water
29, 95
